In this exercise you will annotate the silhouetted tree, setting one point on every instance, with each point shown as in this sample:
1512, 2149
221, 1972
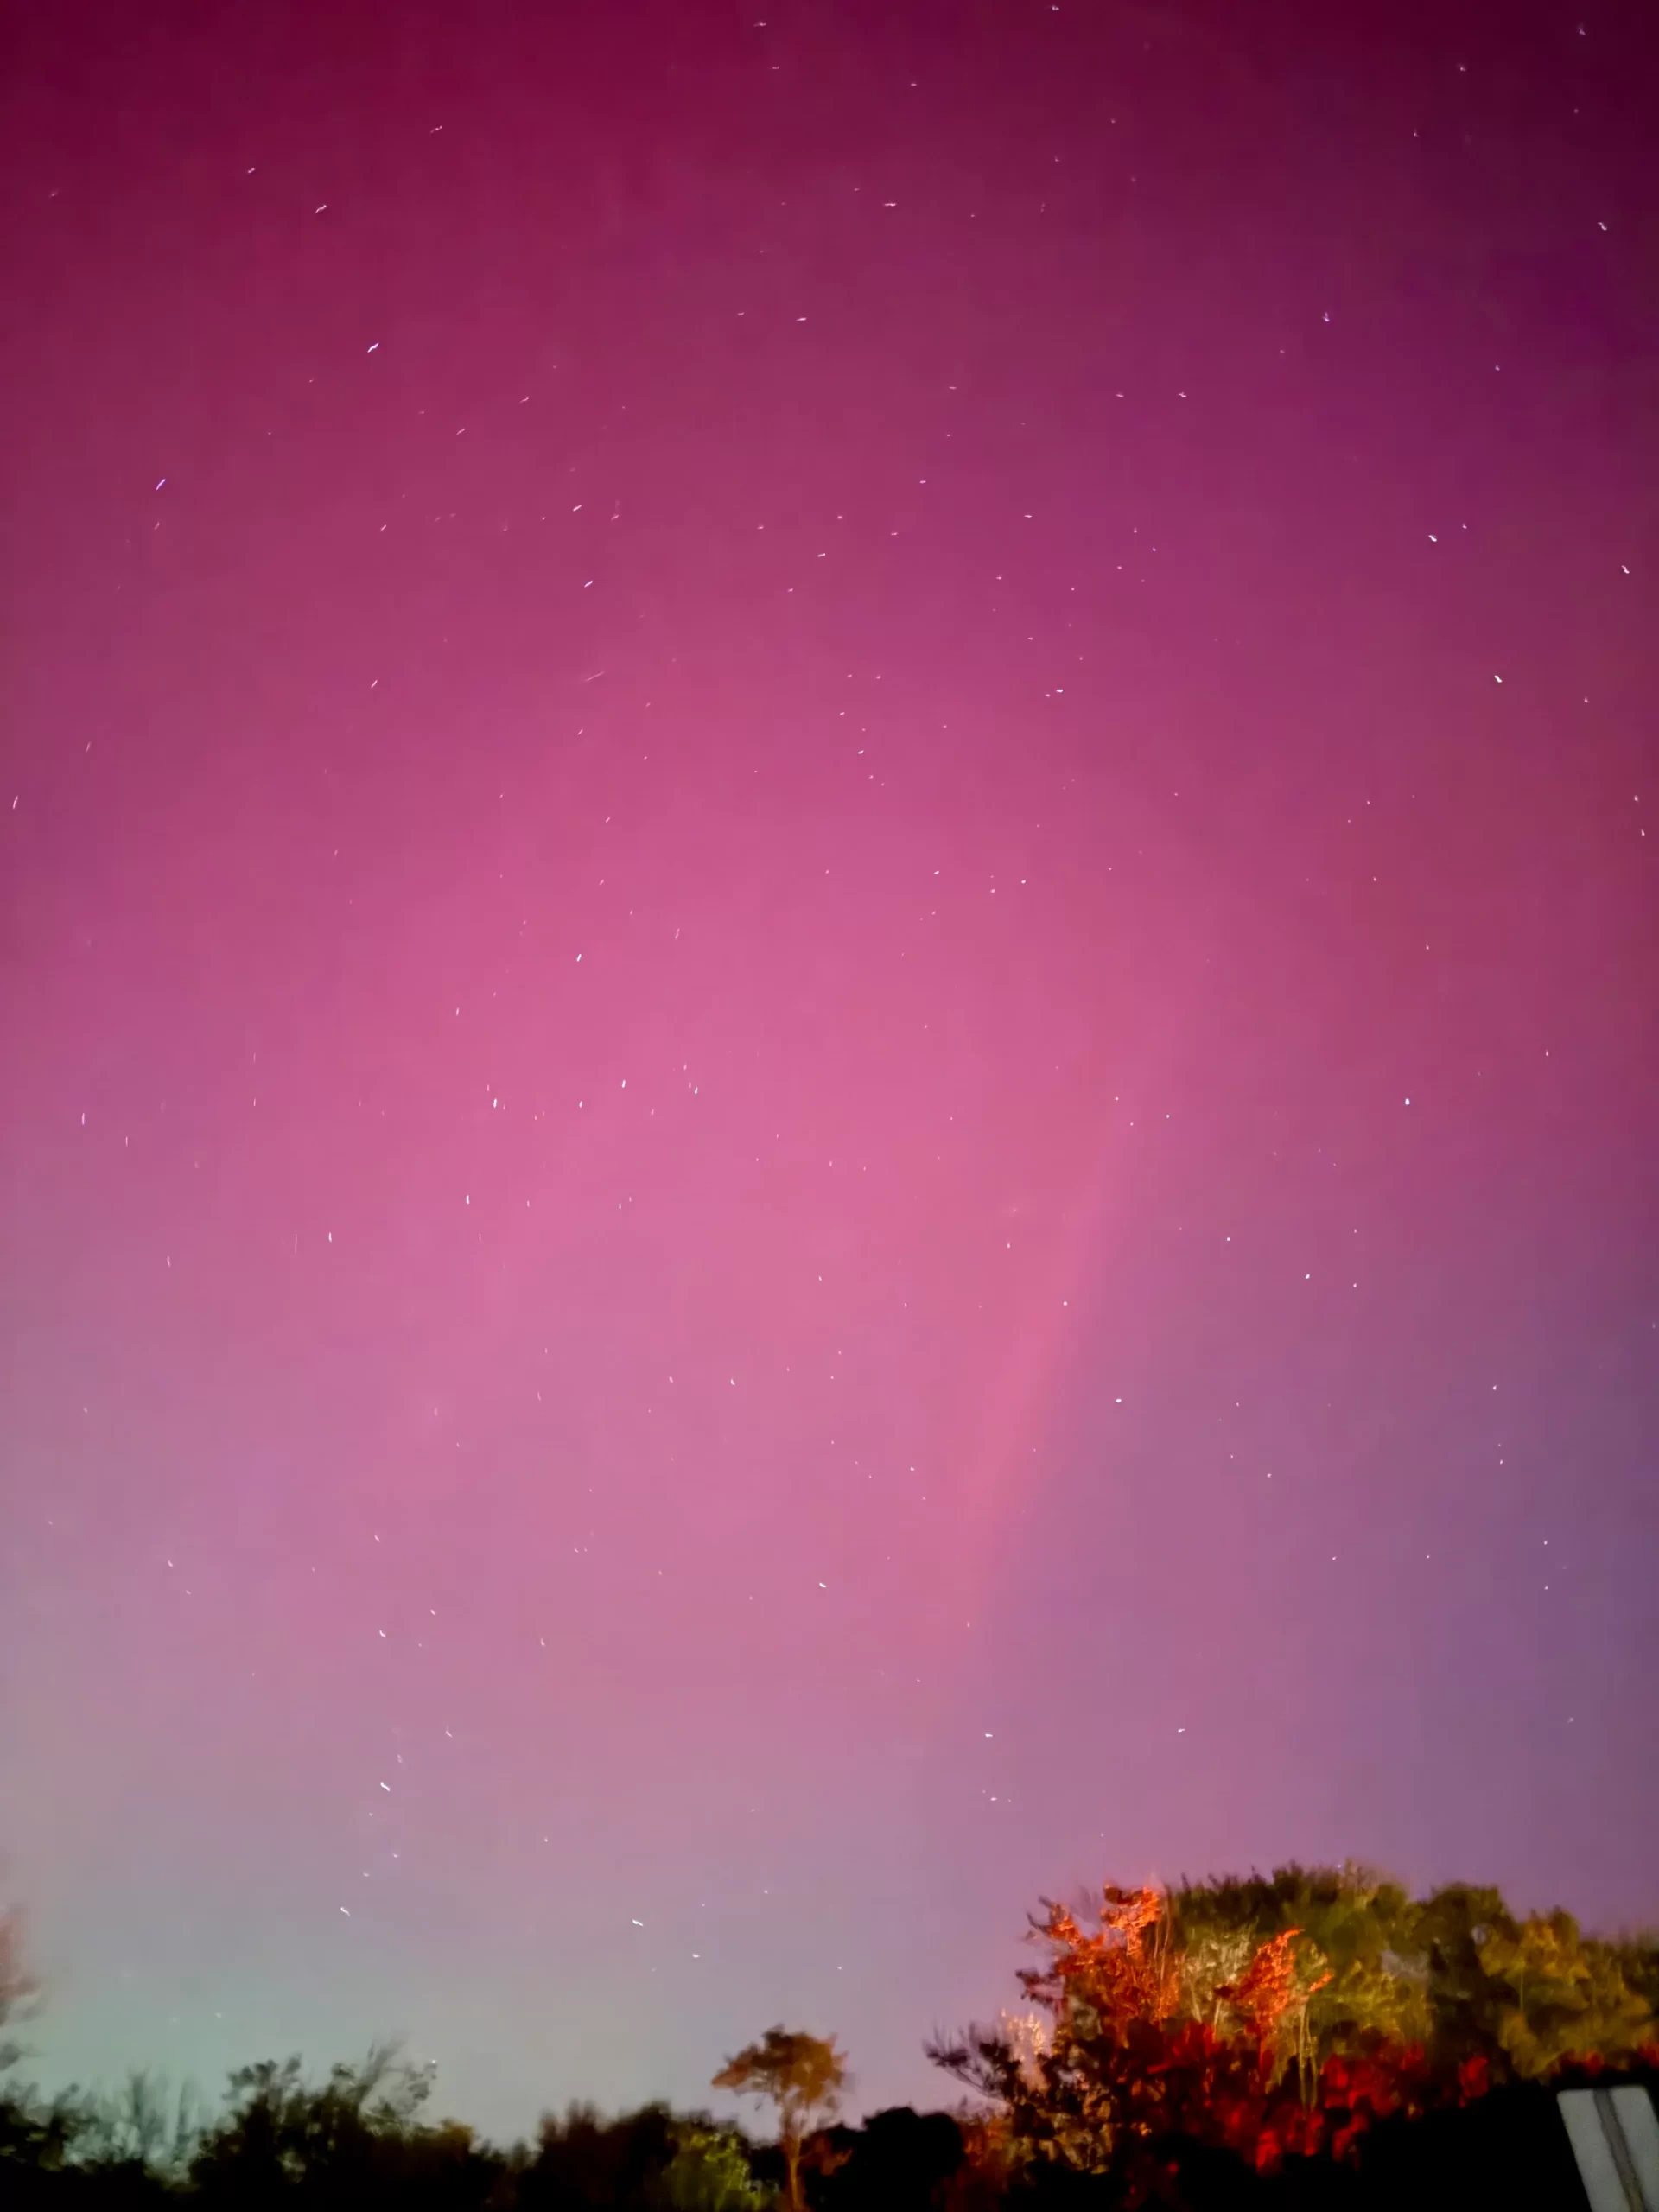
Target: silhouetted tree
610, 2165
802, 2076
144, 2125
355, 2140
898, 2161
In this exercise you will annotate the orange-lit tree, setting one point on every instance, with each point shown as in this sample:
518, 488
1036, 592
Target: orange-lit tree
1282, 2016
1124, 2056
802, 2076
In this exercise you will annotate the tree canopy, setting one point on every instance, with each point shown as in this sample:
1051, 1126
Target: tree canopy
1285, 2014
802, 2076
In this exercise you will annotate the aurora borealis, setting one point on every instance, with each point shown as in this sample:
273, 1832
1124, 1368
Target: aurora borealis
829, 979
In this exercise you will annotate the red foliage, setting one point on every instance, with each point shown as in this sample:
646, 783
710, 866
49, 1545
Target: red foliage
1121, 1976
1145, 2050
1153, 2079
1266, 1990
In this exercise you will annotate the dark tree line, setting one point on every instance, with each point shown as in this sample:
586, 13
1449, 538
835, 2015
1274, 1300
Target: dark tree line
1314, 2038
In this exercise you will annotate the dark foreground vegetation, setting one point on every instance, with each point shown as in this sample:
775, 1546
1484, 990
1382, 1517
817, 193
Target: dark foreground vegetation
1314, 2038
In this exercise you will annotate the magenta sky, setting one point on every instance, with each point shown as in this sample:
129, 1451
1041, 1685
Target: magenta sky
828, 981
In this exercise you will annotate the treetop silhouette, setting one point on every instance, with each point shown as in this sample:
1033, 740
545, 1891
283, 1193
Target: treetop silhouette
802, 2076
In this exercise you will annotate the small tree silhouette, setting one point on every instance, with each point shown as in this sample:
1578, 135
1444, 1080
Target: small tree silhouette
802, 2076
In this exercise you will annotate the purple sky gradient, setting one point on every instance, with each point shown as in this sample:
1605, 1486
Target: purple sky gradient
829, 976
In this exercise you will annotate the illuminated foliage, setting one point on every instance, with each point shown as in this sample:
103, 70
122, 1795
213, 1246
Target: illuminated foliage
708, 2172
1283, 2017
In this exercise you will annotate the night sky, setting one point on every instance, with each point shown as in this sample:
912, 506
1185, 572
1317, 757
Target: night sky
829, 979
